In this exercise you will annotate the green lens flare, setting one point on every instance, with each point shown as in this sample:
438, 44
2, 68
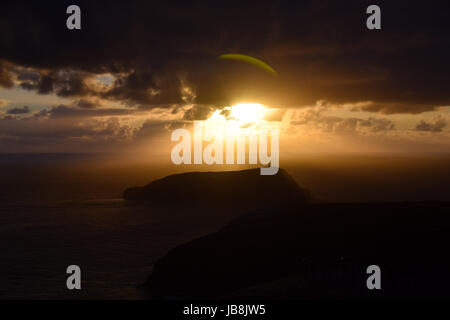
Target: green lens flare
248, 59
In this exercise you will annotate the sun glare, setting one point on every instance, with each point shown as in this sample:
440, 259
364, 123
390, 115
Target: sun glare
247, 112
240, 119
242, 113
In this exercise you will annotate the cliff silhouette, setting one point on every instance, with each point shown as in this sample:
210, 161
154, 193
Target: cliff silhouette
319, 252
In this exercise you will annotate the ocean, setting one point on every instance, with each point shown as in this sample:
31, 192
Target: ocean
56, 211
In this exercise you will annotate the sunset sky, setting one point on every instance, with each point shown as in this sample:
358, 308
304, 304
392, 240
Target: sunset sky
137, 71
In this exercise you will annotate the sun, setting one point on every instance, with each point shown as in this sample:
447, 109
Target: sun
242, 113
247, 112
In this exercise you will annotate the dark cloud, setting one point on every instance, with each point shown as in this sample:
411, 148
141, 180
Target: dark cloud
377, 124
437, 124
321, 50
23, 110
58, 131
404, 107
63, 111
6, 79
152, 128
198, 112
143, 87
350, 126
87, 104
339, 125
27, 75
64, 83
45, 84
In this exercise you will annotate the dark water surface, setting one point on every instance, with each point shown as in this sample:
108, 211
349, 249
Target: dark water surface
115, 245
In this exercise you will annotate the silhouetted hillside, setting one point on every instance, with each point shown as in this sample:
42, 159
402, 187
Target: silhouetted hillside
319, 251
236, 188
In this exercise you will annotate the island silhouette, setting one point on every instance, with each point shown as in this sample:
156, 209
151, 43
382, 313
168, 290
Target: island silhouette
236, 188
